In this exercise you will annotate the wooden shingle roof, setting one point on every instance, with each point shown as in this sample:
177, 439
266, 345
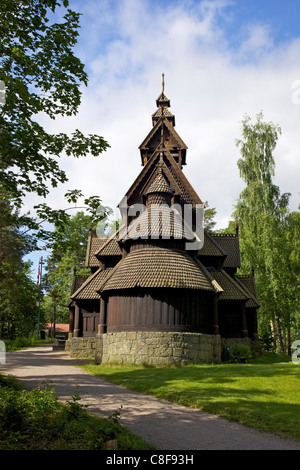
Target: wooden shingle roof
159, 221
248, 284
211, 247
159, 113
76, 284
93, 246
163, 99
159, 185
177, 180
158, 268
88, 290
110, 248
232, 290
157, 129
230, 245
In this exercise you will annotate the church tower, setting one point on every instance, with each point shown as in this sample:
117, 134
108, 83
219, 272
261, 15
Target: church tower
163, 133
146, 286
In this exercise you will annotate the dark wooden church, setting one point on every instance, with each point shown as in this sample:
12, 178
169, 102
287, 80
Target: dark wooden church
146, 278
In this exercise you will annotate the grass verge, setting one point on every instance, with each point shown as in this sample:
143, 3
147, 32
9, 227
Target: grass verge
263, 394
36, 420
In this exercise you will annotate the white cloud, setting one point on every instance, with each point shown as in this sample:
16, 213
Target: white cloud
258, 41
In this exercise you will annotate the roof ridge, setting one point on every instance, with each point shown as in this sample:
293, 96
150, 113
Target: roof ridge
109, 239
215, 243
215, 284
237, 284
113, 270
227, 291
86, 282
224, 235
253, 295
171, 129
248, 292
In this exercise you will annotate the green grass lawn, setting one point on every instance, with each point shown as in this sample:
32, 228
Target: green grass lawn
263, 394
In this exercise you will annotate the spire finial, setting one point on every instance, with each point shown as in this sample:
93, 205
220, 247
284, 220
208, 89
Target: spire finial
163, 82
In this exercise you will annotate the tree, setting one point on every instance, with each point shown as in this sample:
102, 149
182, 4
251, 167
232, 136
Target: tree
68, 251
209, 215
42, 76
263, 218
18, 293
290, 278
230, 230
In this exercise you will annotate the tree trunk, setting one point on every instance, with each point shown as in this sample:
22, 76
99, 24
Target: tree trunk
53, 320
273, 335
289, 336
284, 339
279, 334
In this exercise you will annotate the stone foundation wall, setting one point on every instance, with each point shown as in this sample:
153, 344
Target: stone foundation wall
84, 347
153, 348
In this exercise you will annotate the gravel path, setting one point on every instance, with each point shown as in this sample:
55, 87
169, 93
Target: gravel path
165, 425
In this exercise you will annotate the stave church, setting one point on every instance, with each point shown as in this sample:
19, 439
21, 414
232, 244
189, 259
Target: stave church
162, 289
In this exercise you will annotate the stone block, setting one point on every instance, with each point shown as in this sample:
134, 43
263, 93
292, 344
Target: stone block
131, 335
177, 352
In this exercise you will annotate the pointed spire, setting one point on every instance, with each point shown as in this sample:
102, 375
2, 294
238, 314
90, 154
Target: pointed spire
163, 103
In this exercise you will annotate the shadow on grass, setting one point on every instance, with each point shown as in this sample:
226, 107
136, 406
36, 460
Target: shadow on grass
257, 395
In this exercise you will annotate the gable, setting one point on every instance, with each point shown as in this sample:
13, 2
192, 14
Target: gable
163, 133
154, 137
177, 180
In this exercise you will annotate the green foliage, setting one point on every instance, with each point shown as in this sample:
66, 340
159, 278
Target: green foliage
239, 353
68, 250
18, 293
41, 75
22, 342
266, 339
209, 215
43, 79
268, 233
68, 245
230, 230
36, 420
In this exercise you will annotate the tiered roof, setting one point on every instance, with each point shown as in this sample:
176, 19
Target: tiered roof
230, 245
160, 184
89, 289
178, 182
76, 284
160, 266
232, 290
93, 246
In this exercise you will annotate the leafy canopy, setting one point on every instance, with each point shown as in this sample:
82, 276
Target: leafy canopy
42, 76
269, 234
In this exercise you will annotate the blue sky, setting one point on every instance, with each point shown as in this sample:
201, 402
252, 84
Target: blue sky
282, 17
221, 59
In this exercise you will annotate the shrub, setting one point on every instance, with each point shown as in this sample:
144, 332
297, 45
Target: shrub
18, 343
36, 420
239, 353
